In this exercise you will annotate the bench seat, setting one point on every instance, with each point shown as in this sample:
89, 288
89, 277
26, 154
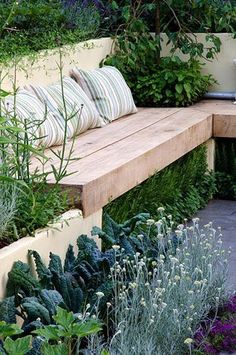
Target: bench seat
126, 152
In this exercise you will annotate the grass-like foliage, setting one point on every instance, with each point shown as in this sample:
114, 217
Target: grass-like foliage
27, 197
182, 188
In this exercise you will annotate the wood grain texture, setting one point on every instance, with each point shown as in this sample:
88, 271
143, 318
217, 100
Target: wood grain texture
224, 126
93, 140
224, 107
224, 116
111, 171
126, 152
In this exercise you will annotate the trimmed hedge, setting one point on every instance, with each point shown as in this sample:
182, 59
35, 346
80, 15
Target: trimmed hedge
182, 188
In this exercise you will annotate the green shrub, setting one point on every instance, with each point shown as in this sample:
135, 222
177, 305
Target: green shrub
172, 83
155, 81
182, 188
33, 25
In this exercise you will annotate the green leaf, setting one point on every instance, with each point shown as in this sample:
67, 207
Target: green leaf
81, 330
7, 330
59, 349
36, 310
187, 88
179, 88
8, 310
104, 352
19, 346
43, 272
64, 318
49, 332
3, 93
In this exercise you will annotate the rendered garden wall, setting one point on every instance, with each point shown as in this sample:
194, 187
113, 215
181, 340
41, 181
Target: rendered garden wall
43, 70
55, 239
222, 67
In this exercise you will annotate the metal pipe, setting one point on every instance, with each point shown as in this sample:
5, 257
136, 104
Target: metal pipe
221, 95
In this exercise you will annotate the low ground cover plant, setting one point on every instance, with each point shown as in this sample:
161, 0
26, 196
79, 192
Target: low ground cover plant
183, 271
28, 26
218, 334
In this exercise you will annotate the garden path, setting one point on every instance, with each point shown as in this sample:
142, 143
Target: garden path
223, 214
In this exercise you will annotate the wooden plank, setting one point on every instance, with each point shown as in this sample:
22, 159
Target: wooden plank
111, 171
93, 140
224, 116
224, 107
224, 126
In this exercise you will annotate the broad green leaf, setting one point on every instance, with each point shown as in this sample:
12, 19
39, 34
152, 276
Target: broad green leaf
187, 88
19, 346
49, 332
59, 349
84, 329
179, 88
9, 329
64, 318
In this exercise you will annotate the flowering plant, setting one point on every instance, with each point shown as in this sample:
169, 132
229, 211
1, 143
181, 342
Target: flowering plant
222, 333
158, 309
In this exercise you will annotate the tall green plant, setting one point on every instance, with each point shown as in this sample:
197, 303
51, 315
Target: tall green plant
36, 203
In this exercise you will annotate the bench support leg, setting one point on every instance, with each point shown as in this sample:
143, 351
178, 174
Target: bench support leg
210, 145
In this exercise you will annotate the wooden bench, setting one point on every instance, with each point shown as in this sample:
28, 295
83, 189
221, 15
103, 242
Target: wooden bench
126, 152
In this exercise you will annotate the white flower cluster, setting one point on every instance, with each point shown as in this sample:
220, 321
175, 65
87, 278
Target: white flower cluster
162, 305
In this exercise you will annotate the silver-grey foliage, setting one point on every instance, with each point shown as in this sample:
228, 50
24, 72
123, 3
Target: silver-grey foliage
8, 199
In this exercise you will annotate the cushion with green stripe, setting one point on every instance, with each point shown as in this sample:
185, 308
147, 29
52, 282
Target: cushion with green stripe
69, 101
107, 88
29, 112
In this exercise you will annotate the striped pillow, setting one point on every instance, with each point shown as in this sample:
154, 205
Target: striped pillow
42, 124
81, 111
108, 90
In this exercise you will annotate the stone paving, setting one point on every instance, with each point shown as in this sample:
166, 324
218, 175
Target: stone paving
223, 213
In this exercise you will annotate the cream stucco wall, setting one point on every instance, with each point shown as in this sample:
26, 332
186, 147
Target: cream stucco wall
222, 67
88, 55
55, 239
43, 69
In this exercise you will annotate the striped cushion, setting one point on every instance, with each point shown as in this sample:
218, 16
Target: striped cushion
42, 124
108, 90
81, 119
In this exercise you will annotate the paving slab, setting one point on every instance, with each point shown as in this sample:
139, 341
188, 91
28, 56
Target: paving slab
223, 214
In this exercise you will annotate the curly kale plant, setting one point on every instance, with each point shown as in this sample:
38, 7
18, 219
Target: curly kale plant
75, 283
